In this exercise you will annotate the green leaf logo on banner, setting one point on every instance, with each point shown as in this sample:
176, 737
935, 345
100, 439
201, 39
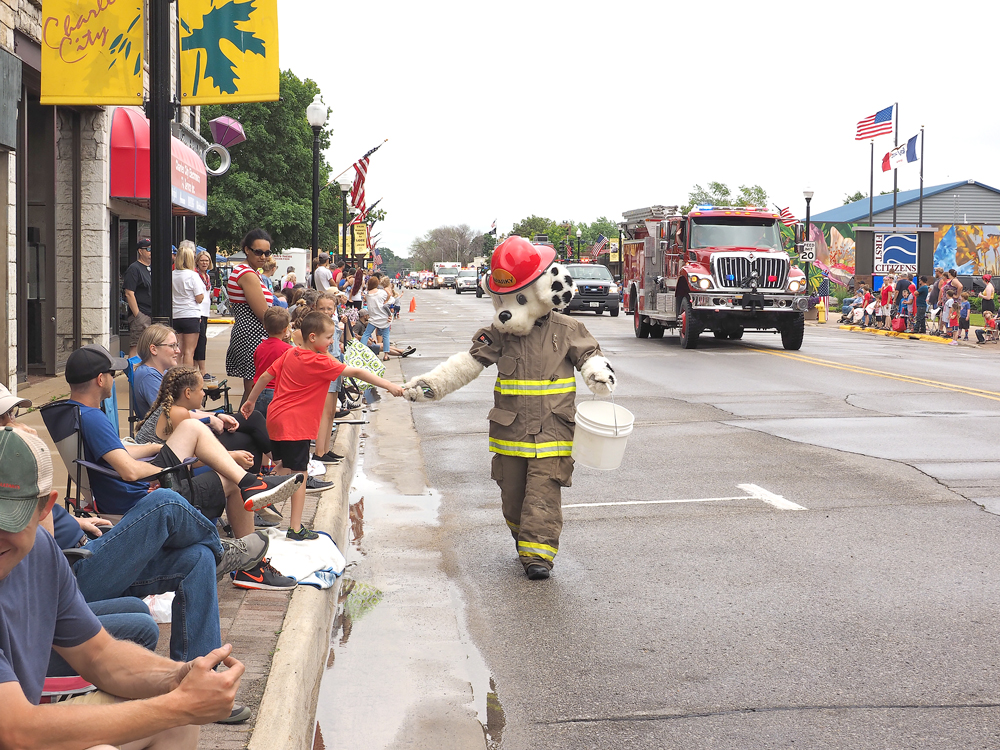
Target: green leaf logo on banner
217, 25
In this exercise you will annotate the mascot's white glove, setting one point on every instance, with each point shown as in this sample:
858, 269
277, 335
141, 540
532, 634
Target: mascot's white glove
459, 370
599, 376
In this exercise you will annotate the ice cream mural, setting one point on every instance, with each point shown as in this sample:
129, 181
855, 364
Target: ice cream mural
968, 248
834, 249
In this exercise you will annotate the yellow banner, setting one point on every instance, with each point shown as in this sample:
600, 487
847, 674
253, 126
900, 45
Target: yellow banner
360, 240
92, 52
229, 51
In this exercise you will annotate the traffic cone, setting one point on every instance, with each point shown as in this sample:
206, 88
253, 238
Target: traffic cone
413, 304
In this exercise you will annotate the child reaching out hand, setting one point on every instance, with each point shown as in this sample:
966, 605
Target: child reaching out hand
302, 378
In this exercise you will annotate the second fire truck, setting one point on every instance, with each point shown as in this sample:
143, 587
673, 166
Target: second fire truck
719, 268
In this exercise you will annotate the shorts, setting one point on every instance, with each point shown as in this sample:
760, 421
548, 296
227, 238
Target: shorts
293, 454
963, 325
264, 401
187, 325
136, 325
204, 491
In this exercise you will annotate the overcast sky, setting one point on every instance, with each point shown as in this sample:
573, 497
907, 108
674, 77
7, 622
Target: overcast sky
573, 110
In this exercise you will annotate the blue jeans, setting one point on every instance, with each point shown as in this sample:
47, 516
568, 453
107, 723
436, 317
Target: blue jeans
162, 544
126, 619
384, 332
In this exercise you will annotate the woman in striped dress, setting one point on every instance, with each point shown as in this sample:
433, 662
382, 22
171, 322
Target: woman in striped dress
249, 300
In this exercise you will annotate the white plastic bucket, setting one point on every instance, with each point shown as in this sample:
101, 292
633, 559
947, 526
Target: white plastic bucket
602, 430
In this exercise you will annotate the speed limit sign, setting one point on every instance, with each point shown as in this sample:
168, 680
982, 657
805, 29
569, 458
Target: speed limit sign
808, 252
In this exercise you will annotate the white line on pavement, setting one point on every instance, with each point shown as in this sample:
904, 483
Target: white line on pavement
756, 493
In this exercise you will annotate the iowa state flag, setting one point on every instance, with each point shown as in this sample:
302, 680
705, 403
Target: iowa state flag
901, 155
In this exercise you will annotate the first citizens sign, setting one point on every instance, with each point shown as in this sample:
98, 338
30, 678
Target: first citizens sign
895, 253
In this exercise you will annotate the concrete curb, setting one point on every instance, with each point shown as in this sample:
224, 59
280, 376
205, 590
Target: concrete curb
287, 711
898, 335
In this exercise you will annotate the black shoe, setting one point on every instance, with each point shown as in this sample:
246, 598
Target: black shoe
317, 485
238, 716
268, 490
344, 413
260, 522
328, 458
537, 572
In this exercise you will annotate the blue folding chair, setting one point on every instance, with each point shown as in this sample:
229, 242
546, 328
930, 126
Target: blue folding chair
133, 418
64, 422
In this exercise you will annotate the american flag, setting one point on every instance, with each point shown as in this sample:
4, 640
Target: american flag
788, 218
824, 288
601, 243
377, 257
360, 173
874, 125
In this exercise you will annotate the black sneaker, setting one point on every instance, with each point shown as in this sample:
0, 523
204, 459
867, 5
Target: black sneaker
302, 535
263, 577
268, 490
259, 522
328, 458
317, 485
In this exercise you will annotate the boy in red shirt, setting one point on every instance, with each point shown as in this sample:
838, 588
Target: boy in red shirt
278, 324
302, 378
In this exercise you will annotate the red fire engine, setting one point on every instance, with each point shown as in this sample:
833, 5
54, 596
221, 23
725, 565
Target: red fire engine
719, 269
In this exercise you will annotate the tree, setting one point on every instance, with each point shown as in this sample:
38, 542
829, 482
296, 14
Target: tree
719, 194
446, 243
533, 225
269, 184
858, 196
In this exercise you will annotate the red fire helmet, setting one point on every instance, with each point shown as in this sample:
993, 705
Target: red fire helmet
516, 263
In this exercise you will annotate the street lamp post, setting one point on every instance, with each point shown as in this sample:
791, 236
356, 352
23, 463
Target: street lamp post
808, 195
579, 235
457, 247
316, 115
345, 186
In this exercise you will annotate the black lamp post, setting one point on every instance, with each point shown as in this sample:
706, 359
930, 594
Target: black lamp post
345, 187
579, 240
316, 115
808, 195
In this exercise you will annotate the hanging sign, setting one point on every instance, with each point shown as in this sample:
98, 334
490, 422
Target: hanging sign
360, 240
92, 52
229, 51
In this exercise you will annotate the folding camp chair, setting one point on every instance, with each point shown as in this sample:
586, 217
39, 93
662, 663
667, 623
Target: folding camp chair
64, 422
133, 418
215, 392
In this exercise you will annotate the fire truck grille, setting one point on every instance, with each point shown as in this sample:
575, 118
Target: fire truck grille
733, 271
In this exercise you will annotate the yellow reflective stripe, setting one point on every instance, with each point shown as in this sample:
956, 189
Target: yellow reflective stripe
533, 392
535, 382
531, 450
513, 525
531, 549
515, 444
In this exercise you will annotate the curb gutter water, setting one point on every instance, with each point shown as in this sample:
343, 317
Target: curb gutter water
287, 715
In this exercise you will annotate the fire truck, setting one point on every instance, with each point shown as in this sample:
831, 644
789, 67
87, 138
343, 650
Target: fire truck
719, 268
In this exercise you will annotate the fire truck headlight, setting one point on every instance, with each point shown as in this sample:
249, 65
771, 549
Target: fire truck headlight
704, 283
795, 285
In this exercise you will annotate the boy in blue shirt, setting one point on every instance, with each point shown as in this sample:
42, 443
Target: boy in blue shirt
963, 316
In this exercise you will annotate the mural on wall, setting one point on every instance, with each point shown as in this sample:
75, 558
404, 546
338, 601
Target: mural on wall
968, 248
834, 249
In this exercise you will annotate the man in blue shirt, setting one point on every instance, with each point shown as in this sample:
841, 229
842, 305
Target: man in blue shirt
90, 373
41, 609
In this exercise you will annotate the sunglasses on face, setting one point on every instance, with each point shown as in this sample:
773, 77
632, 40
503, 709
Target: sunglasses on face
265, 253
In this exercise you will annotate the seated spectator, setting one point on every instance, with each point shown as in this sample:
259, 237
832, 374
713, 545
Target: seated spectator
181, 395
9, 404
36, 579
158, 351
989, 326
90, 374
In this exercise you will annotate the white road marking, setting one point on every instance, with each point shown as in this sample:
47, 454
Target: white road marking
213, 331
756, 493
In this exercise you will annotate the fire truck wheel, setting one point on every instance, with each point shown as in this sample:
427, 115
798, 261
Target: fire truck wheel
656, 332
721, 335
641, 324
736, 334
687, 326
791, 334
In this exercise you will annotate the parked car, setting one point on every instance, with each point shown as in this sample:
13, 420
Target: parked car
596, 289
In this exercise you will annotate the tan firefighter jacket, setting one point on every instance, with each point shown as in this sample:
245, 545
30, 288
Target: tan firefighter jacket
535, 393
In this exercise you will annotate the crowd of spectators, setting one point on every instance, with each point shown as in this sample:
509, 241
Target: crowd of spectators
87, 617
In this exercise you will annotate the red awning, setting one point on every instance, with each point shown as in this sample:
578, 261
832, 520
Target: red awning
130, 166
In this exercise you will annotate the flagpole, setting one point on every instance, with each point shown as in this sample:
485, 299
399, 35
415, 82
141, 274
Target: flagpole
871, 183
353, 163
895, 172
921, 210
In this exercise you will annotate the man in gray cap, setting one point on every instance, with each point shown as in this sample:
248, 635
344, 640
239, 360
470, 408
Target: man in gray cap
41, 608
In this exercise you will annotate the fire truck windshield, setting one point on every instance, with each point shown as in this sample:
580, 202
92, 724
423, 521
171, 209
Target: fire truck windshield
735, 231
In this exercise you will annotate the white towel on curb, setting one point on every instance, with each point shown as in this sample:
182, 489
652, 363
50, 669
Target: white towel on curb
312, 563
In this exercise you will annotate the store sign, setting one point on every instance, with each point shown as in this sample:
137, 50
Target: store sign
92, 52
188, 180
229, 51
895, 253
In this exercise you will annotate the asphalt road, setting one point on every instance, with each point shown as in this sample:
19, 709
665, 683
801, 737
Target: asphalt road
866, 620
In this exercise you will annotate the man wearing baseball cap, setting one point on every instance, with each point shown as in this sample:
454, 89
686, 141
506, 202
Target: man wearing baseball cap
8, 403
41, 608
138, 294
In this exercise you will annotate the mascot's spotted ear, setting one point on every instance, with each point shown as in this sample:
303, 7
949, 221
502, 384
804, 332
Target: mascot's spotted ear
535, 350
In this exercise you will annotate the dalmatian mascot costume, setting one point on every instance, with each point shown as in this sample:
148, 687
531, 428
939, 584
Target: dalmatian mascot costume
535, 350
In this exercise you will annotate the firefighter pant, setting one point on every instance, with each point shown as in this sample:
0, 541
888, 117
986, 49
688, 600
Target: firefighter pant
531, 494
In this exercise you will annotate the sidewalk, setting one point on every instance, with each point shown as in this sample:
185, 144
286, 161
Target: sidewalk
253, 620
904, 335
